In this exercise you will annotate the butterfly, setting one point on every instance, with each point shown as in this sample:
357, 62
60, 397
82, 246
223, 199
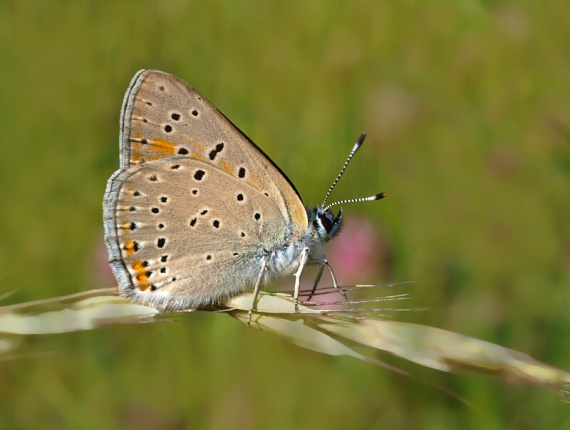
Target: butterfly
197, 212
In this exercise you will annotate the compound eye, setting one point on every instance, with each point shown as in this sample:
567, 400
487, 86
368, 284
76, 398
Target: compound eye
326, 222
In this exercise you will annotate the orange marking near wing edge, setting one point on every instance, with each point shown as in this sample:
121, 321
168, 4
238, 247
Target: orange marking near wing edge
136, 153
126, 227
129, 247
141, 275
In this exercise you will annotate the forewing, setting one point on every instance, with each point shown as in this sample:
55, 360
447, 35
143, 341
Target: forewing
164, 117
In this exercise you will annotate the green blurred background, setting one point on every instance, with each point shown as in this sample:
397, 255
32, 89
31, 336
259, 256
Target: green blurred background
466, 105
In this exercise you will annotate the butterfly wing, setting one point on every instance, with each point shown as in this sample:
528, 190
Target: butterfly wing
194, 202
164, 117
189, 234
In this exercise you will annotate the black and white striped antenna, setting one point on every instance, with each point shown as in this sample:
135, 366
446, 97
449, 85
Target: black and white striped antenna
378, 196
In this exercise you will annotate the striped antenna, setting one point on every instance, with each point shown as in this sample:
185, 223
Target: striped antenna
362, 199
357, 145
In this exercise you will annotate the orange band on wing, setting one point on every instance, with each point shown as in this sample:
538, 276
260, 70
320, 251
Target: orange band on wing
163, 146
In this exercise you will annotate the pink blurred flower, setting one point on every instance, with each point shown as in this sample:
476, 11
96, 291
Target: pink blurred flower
353, 255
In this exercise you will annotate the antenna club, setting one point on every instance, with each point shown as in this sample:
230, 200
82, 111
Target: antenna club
360, 140
380, 196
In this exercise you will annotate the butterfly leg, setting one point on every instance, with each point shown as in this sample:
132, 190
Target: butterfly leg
317, 280
302, 262
256, 289
324, 262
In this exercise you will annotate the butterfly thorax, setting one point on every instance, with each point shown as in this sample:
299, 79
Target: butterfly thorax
322, 227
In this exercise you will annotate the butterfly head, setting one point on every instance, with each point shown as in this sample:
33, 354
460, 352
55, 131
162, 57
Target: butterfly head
324, 222
321, 219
